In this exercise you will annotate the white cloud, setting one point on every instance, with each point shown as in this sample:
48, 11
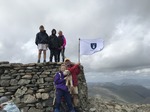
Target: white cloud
123, 24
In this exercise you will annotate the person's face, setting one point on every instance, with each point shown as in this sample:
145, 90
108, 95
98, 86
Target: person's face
67, 62
62, 68
1, 107
60, 33
54, 32
41, 29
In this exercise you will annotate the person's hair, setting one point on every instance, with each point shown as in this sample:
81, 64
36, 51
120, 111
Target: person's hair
63, 65
41, 27
60, 31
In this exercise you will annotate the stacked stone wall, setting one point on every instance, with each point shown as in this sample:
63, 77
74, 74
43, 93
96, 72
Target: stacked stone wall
31, 86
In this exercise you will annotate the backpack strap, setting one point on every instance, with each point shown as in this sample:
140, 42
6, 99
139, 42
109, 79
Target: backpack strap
60, 75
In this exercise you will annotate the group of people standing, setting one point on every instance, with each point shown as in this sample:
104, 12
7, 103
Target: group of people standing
56, 44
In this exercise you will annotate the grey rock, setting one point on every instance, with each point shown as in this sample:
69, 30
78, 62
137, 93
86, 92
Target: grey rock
41, 90
16, 64
22, 74
4, 83
35, 76
5, 66
13, 71
12, 88
24, 81
20, 92
38, 95
30, 68
31, 85
43, 76
45, 96
49, 79
34, 70
1, 71
24, 109
48, 102
18, 77
17, 68
4, 62
16, 100
28, 71
39, 64
2, 89
1, 94
6, 77
40, 81
29, 99
33, 81
29, 91
6, 71
93, 109
31, 64
28, 76
39, 105
20, 71
33, 109
8, 93
13, 82
46, 73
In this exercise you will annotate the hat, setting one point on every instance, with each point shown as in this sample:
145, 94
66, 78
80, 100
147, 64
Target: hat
67, 59
3, 99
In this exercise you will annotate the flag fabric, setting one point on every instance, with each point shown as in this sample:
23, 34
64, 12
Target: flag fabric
90, 46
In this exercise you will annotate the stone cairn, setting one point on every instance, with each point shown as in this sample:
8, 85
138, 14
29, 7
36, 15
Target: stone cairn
31, 86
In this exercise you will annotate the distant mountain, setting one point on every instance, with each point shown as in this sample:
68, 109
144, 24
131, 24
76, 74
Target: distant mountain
130, 93
143, 82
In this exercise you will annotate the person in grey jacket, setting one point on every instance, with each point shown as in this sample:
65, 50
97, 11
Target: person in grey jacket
42, 42
6, 105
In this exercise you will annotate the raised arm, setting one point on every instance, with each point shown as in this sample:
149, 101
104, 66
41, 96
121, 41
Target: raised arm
75, 68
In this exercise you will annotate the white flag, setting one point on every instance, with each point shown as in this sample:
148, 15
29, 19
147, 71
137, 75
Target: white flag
90, 46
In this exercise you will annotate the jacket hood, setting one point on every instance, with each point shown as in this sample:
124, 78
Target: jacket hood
53, 32
43, 31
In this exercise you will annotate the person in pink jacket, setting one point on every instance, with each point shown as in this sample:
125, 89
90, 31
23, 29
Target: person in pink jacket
62, 42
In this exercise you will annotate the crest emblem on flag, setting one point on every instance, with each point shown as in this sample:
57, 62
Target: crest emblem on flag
93, 45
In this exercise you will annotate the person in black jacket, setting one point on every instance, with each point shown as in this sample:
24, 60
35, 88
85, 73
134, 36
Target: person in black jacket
42, 42
54, 46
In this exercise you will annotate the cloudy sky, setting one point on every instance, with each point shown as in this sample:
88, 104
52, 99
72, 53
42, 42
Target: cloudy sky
124, 25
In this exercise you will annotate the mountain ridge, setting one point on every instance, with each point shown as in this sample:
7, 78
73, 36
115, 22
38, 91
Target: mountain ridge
126, 93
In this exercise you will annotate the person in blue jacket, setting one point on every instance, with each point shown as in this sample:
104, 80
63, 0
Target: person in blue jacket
62, 90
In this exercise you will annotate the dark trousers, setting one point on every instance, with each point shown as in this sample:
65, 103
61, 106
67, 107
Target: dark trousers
59, 94
53, 53
62, 52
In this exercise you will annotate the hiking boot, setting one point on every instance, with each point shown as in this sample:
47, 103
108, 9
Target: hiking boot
76, 109
38, 61
44, 61
56, 110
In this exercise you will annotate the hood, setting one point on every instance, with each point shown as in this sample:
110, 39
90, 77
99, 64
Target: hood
53, 32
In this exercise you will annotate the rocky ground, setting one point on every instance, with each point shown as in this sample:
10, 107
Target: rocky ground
100, 105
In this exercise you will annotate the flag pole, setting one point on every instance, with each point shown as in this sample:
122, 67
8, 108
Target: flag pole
79, 51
